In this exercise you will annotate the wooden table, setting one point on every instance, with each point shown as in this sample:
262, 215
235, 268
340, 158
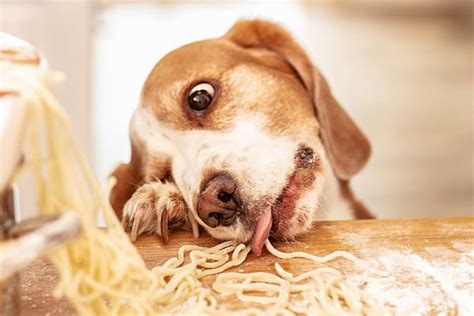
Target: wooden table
431, 262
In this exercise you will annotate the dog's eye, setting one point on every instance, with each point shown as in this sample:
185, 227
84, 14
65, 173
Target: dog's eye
200, 97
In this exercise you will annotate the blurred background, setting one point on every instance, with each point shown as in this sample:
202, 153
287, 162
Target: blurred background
402, 69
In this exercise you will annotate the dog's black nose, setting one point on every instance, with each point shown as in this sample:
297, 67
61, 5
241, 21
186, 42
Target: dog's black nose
218, 203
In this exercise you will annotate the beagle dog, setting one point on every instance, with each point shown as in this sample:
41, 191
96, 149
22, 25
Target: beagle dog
242, 136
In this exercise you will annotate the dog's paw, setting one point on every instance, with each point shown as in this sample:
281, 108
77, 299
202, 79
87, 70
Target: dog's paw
155, 207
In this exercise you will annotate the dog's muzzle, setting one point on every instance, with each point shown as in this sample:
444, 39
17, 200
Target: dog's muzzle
219, 203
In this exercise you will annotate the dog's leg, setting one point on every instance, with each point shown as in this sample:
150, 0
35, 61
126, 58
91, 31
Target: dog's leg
156, 207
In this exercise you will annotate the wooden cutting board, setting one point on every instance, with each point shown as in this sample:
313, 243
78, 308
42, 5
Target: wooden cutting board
430, 261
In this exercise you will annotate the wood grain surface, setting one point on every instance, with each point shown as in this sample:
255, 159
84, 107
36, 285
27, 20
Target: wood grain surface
434, 243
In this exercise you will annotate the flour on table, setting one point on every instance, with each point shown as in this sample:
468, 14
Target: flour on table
439, 282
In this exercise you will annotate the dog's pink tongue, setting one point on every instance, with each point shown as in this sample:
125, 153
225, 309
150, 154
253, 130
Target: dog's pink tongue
262, 231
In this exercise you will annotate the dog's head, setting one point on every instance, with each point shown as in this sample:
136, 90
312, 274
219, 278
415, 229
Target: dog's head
247, 129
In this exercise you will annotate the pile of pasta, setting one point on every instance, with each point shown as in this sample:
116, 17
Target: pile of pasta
101, 271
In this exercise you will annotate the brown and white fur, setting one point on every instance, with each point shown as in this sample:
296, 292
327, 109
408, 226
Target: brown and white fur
270, 102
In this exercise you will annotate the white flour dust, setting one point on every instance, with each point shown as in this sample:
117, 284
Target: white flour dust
440, 281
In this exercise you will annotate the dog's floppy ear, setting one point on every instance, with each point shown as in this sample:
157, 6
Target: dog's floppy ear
128, 178
347, 147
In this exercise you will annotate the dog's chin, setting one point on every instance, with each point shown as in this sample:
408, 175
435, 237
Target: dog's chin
285, 226
289, 221
285, 218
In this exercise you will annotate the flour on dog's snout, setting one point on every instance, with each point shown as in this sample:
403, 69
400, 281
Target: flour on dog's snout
440, 281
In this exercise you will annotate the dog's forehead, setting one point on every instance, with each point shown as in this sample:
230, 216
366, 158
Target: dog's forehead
201, 59
247, 81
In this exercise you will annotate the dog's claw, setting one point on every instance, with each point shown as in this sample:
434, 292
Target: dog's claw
164, 226
194, 225
152, 209
136, 224
125, 222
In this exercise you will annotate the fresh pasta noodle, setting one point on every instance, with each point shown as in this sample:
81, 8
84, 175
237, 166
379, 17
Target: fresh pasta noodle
325, 292
101, 271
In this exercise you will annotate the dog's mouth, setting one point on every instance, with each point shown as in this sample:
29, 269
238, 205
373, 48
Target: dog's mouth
275, 219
